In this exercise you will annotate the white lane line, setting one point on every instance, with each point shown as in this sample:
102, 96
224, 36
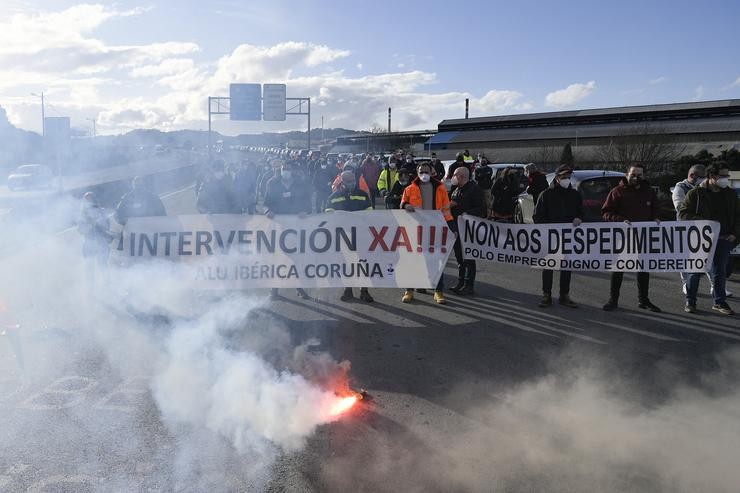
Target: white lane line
645, 333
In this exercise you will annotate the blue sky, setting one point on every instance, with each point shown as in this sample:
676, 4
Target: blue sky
151, 64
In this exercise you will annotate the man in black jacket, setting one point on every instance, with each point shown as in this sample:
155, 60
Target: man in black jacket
559, 203
139, 202
216, 194
484, 178
287, 194
350, 198
393, 199
466, 198
714, 200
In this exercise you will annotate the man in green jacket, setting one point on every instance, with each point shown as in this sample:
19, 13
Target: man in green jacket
714, 200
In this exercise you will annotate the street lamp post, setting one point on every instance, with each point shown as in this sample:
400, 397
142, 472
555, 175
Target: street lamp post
94, 132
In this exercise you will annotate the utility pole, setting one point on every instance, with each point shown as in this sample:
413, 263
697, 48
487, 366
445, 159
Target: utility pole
309, 124
43, 115
322, 130
467, 107
389, 120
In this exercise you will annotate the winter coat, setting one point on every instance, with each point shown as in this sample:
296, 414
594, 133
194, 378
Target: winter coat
370, 170
216, 196
139, 203
292, 199
698, 205
440, 199
469, 199
388, 177
536, 184
393, 199
322, 180
504, 192
484, 176
628, 203
558, 205
346, 200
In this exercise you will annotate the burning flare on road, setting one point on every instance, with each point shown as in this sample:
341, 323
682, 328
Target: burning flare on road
342, 404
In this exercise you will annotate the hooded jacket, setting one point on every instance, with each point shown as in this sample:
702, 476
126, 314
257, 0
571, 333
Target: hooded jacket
628, 203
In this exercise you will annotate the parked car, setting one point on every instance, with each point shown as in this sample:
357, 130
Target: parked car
594, 186
30, 176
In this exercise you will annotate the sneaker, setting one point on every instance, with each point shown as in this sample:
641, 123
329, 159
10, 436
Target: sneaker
689, 308
684, 289
646, 305
365, 296
408, 296
723, 308
728, 293
439, 298
610, 305
421, 291
546, 301
347, 295
466, 290
566, 301
457, 287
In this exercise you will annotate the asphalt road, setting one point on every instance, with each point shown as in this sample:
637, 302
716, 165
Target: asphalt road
487, 393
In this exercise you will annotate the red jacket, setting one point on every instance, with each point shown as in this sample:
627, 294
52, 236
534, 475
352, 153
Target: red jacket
626, 203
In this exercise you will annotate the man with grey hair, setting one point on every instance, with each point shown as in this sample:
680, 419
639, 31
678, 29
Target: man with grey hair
696, 176
466, 198
350, 197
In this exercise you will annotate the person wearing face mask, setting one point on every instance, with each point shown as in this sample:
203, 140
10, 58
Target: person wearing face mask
427, 193
714, 200
216, 195
245, 187
350, 198
393, 198
696, 176
322, 180
438, 166
466, 198
504, 192
632, 200
559, 203
287, 194
361, 182
388, 177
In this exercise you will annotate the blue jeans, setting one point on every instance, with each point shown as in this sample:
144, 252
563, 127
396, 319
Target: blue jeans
718, 274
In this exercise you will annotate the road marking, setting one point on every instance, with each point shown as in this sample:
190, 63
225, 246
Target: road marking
129, 390
641, 332
170, 194
52, 389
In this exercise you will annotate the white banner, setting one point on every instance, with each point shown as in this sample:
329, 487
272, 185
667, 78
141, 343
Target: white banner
389, 249
674, 246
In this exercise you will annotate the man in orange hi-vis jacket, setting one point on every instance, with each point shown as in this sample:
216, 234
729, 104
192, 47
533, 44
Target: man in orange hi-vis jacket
427, 193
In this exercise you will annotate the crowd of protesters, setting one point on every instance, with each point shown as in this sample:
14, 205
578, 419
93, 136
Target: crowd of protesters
316, 183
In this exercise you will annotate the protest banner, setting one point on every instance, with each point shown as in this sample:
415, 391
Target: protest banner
340, 249
683, 246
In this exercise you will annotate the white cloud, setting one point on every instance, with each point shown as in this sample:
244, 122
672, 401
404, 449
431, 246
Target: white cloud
162, 85
699, 93
571, 95
733, 85
658, 80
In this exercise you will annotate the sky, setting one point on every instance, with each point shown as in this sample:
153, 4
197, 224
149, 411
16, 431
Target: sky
139, 64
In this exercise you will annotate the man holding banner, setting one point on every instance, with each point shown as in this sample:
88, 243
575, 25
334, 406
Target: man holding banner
714, 200
466, 198
427, 193
350, 198
560, 203
633, 200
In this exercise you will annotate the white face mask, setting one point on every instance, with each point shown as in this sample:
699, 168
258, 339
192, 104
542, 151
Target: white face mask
424, 177
699, 180
564, 182
323, 166
454, 180
723, 182
286, 174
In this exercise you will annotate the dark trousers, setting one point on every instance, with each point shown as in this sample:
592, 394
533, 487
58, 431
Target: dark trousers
718, 274
466, 268
643, 284
547, 276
